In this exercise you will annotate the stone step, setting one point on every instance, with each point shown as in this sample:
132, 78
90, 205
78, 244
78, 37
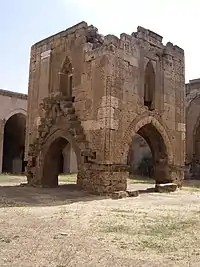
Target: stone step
166, 188
132, 193
119, 195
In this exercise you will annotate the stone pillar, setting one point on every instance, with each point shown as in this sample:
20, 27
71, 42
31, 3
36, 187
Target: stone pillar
66, 159
176, 174
165, 173
44, 80
73, 162
2, 124
103, 179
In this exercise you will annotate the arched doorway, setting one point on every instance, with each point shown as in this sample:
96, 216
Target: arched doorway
14, 144
192, 161
194, 164
140, 157
158, 144
58, 160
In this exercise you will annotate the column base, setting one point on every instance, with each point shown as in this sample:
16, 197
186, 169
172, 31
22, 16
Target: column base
169, 174
103, 179
176, 174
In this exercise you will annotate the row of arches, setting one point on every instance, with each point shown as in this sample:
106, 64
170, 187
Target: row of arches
14, 148
53, 160
61, 148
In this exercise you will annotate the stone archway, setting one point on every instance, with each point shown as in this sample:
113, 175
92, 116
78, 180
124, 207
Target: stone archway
14, 144
53, 162
193, 151
193, 137
50, 159
192, 123
159, 143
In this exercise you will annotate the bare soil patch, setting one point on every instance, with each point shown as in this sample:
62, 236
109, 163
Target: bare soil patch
61, 227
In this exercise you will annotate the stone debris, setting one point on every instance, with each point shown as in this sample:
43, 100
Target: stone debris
165, 188
119, 195
132, 193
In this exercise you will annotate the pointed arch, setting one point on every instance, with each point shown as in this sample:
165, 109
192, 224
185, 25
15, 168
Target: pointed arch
66, 78
135, 127
149, 86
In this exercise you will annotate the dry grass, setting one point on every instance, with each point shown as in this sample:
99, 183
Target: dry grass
64, 227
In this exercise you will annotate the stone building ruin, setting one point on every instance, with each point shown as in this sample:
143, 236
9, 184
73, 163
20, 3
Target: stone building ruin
12, 131
192, 160
94, 94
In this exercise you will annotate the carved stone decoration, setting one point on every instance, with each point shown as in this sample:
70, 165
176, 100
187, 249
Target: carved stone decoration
51, 109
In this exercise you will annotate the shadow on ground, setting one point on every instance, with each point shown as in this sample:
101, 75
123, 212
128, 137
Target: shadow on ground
19, 196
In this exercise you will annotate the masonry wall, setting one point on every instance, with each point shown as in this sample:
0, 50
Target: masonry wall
192, 129
47, 58
10, 104
128, 58
108, 87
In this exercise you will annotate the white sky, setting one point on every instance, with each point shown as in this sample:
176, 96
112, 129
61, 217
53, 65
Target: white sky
177, 21
24, 22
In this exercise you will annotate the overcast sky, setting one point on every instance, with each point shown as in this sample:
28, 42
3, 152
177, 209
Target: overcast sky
24, 22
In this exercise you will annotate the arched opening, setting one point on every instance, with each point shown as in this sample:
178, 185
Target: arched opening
195, 164
148, 145
140, 157
149, 86
66, 78
192, 169
14, 144
60, 160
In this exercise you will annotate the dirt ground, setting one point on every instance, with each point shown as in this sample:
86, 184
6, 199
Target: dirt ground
61, 227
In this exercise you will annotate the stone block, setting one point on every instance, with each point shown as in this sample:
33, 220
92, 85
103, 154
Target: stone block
119, 195
132, 193
165, 188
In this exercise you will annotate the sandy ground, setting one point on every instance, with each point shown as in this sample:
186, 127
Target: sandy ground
64, 227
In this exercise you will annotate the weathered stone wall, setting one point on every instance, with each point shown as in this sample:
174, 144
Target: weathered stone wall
192, 128
11, 103
47, 58
128, 59
109, 76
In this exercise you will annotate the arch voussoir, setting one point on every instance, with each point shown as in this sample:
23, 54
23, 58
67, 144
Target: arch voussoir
136, 126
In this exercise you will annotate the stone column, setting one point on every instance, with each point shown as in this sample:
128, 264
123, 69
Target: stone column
44, 80
73, 162
103, 179
66, 159
2, 124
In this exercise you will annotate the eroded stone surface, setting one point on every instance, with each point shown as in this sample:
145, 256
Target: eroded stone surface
95, 93
192, 169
